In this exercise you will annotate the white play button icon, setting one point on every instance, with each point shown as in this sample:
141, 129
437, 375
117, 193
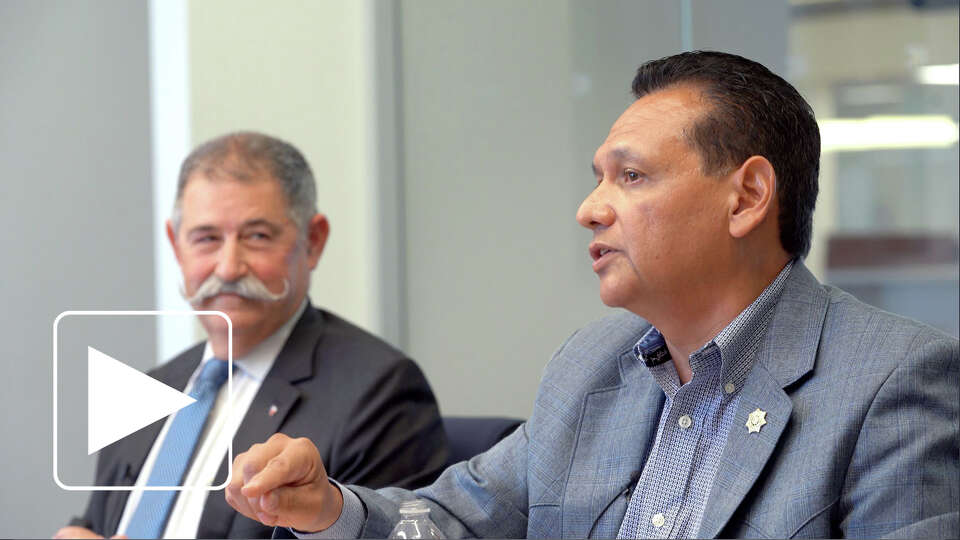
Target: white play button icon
121, 400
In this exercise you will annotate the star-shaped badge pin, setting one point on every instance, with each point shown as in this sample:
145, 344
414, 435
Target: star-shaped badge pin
756, 420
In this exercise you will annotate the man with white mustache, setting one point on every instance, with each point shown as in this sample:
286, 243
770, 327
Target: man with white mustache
246, 233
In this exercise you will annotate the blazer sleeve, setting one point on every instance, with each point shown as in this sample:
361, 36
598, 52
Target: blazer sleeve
904, 476
393, 435
85, 522
95, 516
485, 497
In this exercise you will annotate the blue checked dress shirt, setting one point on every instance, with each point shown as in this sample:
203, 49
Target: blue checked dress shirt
151, 515
670, 497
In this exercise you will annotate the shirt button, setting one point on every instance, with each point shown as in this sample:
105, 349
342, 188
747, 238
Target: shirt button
684, 421
729, 387
657, 520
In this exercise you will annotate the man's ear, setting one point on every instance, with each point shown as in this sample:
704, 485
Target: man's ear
172, 236
317, 232
754, 195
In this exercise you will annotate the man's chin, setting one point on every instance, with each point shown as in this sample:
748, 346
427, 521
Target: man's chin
610, 300
615, 294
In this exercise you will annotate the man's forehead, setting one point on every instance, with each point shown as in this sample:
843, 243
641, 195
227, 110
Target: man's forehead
232, 163
259, 196
206, 179
673, 108
657, 119
230, 171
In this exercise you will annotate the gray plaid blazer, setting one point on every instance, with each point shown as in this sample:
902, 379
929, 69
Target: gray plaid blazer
861, 436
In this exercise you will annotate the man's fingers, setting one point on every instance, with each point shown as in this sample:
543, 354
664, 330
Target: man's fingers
288, 502
256, 458
249, 463
270, 501
282, 483
76, 532
292, 466
310, 507
269, 520
254, 504
232, 493
240, 504
235, 498
278, 472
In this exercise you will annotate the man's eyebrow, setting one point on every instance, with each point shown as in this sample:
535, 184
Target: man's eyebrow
624, 154
261, 222
202, 229
258, 222
619, 154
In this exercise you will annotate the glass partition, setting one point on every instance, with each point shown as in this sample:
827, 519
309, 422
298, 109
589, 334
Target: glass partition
882, 78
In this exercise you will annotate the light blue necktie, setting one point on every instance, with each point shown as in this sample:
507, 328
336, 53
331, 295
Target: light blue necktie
168, 470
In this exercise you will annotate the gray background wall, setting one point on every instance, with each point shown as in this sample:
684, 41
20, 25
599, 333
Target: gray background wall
75, 190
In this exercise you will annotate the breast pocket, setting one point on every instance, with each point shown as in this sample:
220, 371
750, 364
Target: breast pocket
806, 519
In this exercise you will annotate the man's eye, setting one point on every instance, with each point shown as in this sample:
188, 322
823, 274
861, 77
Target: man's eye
631, 176
258, 236
205, 239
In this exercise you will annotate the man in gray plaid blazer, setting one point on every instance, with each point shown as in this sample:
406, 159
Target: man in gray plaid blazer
736, 397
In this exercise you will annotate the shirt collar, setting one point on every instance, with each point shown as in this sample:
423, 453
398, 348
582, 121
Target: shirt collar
736, 343
260, 359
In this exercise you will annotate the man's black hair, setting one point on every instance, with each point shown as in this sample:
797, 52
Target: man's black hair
754, 112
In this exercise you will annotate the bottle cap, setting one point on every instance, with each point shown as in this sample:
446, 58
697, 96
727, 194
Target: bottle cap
417, 506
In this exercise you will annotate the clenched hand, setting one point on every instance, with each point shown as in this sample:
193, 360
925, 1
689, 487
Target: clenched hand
283, 483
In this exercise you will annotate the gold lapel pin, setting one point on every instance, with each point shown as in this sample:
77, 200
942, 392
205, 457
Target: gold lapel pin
756, 420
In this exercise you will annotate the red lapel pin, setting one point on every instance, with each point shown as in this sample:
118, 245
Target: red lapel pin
272, 411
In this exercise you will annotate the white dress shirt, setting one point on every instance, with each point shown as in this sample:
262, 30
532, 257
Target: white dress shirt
216, 436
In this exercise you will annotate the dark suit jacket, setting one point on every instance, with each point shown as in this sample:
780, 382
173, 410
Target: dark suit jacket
366, 406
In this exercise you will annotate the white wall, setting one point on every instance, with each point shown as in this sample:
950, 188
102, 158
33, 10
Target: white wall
170, 129
302, 71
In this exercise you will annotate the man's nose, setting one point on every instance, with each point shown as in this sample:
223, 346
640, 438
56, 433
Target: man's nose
231, 265
594, 211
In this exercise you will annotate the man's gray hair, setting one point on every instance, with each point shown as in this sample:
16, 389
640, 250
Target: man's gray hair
241, 155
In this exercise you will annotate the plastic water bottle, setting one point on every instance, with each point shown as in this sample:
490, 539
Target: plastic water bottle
415, 522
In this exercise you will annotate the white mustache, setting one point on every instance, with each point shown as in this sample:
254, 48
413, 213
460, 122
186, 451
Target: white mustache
249, 286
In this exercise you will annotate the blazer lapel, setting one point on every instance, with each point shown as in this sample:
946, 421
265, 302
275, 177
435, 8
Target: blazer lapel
270, 407
788, 352
746, 453
131, 459
257, 426
615, 434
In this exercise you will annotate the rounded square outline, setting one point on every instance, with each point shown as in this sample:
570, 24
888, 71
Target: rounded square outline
156, 313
